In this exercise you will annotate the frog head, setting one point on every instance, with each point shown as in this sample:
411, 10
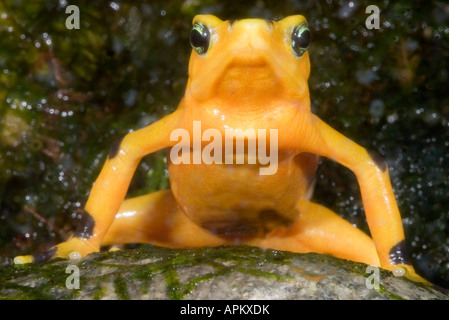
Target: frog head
249, 63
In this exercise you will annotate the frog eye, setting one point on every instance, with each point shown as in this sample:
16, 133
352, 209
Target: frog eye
199, 38
300, 39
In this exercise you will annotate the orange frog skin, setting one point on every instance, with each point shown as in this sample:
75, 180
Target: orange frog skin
243, 74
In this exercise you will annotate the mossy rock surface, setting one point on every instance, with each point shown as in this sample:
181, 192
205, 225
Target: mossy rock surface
204, 273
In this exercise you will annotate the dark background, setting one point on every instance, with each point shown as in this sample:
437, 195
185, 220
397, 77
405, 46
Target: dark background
66, 95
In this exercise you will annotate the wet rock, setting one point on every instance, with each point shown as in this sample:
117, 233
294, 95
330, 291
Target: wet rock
205, 273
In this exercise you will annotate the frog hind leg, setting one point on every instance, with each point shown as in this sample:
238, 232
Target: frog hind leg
318, 229
156, 218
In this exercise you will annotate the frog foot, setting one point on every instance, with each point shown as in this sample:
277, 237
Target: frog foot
410, 273
73, 248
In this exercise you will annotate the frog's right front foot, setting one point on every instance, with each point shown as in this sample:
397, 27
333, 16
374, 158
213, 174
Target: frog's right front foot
73, 248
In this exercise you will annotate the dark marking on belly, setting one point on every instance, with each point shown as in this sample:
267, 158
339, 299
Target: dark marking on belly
271, 219
378, 160
235, 231
398, 254
243, 229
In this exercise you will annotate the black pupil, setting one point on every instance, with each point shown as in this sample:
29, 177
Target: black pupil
199, 41
301, 41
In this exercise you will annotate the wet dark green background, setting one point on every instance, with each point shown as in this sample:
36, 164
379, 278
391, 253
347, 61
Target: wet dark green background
66, 95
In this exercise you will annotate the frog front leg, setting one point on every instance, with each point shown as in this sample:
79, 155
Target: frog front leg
110, 188
380, 205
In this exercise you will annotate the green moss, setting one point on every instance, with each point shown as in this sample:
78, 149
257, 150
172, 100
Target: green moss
174, 288
389, 294
54, 276
121, 288
98, 272
99, 291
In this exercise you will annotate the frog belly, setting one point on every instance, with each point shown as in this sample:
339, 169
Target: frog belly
235, 201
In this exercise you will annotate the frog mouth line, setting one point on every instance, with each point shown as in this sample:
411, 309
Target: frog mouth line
249, 74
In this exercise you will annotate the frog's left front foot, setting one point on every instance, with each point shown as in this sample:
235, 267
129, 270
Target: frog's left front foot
73, 248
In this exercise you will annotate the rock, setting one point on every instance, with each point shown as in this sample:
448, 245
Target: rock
205, 273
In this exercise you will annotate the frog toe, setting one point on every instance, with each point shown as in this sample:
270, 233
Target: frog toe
409, 272
75, 248
40, 257
23, 259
